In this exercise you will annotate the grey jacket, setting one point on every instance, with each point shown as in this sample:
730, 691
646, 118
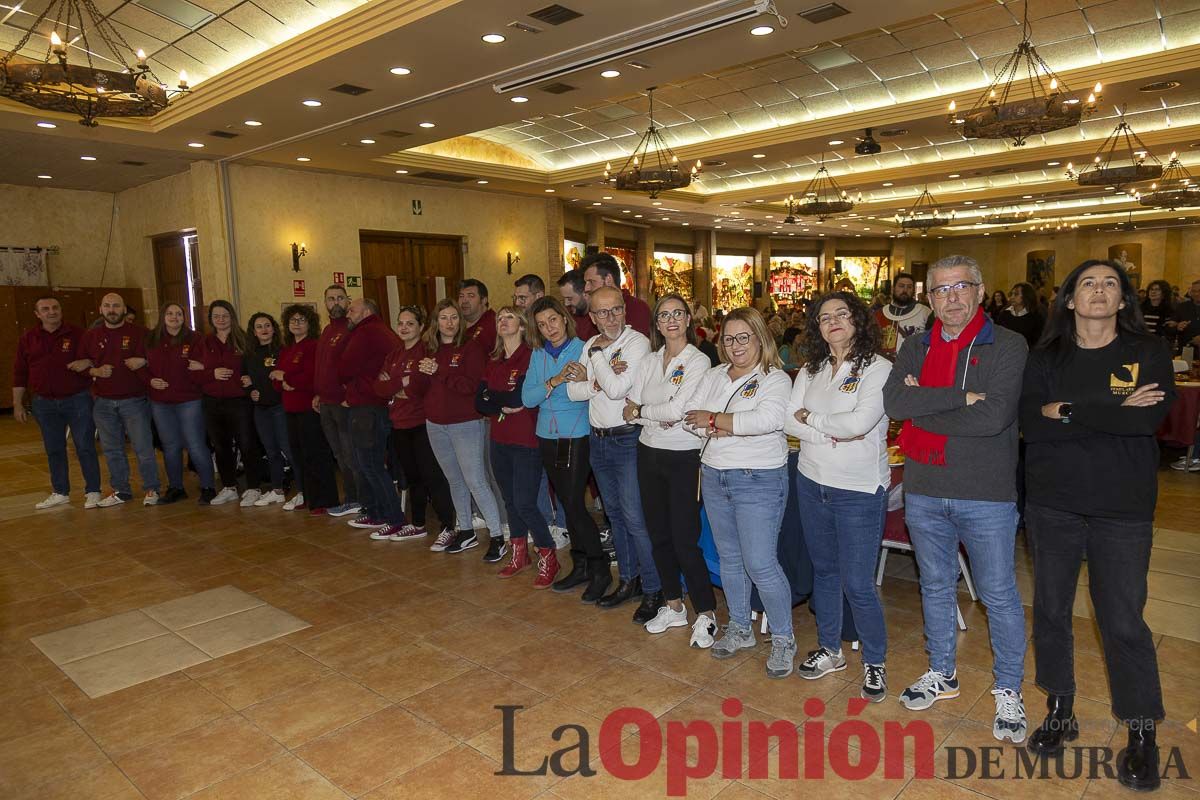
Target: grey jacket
981, 453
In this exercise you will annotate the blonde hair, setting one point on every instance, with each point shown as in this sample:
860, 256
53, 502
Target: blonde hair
769, 352
433, 334
498, 350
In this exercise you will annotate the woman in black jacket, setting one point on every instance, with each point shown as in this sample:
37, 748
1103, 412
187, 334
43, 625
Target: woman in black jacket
270, 421
1157, 308
1023, 314
1096, 389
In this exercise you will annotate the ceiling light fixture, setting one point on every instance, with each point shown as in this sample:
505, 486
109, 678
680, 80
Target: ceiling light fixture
637, 174
87, 158
924, 214
45, 177
400, 71
1175, 189
481, 182
253, 123
953, 175
548, 191
1119, 169
303, 158
312, 103
401, 172
836, 142
610, 73
822, 198
518, 99
492, 38
196, 145
426, 125
366, 141
759, 155
761, 30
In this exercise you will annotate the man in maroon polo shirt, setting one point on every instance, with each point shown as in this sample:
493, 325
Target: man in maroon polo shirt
480, 320
49, 367
330, 395
601, 269
570, 286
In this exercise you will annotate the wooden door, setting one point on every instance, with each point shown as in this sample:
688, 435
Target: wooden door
415, 261
173, 254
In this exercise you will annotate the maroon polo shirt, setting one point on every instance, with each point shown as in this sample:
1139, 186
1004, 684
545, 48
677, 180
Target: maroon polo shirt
41, 362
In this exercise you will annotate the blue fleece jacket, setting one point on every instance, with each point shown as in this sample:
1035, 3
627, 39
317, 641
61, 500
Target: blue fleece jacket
559, 417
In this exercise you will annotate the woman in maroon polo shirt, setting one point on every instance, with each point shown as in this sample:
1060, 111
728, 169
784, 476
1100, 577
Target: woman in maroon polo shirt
294, 377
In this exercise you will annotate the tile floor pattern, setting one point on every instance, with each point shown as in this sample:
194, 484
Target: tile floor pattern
389, 692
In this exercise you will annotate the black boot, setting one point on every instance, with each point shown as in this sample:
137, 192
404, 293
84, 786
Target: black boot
1137, 766
598, 585
1058, 728
648, 610
578, 576
626, 590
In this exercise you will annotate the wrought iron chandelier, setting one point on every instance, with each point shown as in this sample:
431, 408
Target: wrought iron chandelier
82, 87
924, 214
1050, 107
1007, 216
1110, 168
822, 198
1055, 224
638, 174
1175, 189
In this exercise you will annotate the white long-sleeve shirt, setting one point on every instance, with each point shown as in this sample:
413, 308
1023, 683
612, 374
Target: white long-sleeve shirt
604, 390
842, 406
665, 395
758, 403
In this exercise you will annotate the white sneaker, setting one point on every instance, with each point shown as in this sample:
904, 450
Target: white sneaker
1010, 716
667, 618
250, 497
113, 499
151, 498
273, 496
1184, 465
478, 521
226, 495
91, 500
55, 499
443, 540
295, 502
561, 539
505, 532
704, 632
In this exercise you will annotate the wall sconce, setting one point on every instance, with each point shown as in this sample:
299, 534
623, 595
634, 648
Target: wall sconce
513, 258
298, 252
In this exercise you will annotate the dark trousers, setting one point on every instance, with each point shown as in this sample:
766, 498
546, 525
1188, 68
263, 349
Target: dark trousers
668, 480
518, 472
230, 424
570, 481
423, 474
271, 424
369, 428
1118, 557
54, 417
316, 472
335, 422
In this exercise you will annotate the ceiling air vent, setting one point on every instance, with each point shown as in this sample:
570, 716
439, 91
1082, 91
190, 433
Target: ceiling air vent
558, 88
555, 14
442, 176
1160, 86
134, 163
395, 134
823, 13
350, 89
223, 134
522, 27
887, 133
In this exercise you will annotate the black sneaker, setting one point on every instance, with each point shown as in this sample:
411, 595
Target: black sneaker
206, 496
465, 540
173, 494
874, 687
497, 549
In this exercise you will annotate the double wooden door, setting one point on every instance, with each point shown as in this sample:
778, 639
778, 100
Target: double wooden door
418, 265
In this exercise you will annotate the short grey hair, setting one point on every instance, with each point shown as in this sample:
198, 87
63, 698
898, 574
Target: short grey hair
951, 262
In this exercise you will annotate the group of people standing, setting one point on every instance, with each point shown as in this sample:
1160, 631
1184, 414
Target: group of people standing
508, 413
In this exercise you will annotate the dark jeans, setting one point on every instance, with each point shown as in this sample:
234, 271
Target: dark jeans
271, 424
570, 482
181, 425
614, 466
335, 422
669, 483
426, 483
54, 416
1118, 558
230, 423
369, 428
518, 472
314, 467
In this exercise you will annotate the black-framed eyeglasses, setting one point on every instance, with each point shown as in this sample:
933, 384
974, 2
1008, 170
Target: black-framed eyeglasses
665, 316
956, 288
605, 313
740, 338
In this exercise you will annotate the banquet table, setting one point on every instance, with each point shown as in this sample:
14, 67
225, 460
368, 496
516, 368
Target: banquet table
1179, 428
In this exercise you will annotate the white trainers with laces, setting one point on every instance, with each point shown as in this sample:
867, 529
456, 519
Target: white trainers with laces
113, 499
296, 501
704, 632
443, 540
91, 500
250, 497
667, 618
561, 539
1010, 716
478, 521
151, 498
273, 496
227, 495
55, 499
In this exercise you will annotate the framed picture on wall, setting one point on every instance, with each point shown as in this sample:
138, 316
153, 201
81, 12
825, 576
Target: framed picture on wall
1129, 256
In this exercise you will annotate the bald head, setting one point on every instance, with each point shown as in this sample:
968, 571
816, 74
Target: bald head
607, 306
112, 309
360, 309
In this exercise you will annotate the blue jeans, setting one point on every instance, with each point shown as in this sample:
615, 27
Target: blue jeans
518, 470
459, 449
54, 416
181, 425
115, 419
369, 431
614, 464
552, 512
988, 530
745, 509
842, 530
271, 424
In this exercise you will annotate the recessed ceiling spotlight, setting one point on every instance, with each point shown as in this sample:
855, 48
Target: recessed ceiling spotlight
366, 141
760, 201
656, 203
626, 211
666, 219
595, 204
426, 125
46, 177
717, 227
492, 38
836, 142
401, 172
400, 71
481, 182
747, 230
253, 123
87, 158
303, 158
610, 73
548, 191
637, 216
888, 183
607, 197
197, 145
952, 175
47, 125
1026, 197
518, 99
761, 30
759, 155
968, 202
312, 103
685, 224
1053, 163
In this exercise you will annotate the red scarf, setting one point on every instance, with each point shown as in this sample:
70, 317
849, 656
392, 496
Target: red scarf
939, 369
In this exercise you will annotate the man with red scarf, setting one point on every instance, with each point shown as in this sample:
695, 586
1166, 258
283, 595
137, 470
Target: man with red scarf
957, 386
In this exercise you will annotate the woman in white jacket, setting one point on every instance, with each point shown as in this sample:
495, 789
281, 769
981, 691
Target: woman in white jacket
739, 408
668, 464
836, 411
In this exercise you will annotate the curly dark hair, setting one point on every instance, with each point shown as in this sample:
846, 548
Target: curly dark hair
867, 336
309, 315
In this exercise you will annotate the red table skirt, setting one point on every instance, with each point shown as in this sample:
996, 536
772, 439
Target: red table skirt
1179, 428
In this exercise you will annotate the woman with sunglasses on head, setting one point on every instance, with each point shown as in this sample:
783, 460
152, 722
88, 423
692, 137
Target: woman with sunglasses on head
270, 419
516, 462
405, 384
175, 403
836, 412
1095, 391
668, 465
739, 410
293, 376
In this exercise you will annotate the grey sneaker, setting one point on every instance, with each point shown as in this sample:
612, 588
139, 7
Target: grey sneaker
736, 638
874, 687
782, 658
1010, 716
821, 662
929, 688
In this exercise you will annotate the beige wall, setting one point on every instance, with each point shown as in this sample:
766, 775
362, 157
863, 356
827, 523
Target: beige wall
77, 223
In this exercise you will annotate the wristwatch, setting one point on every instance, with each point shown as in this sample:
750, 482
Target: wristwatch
1064, 411
637, 412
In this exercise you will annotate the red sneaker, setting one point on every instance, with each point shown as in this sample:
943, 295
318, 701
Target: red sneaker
366, 523
547, 568
316, 512
520, 558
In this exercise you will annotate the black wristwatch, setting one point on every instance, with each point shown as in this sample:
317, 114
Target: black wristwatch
1064, 411
594, 349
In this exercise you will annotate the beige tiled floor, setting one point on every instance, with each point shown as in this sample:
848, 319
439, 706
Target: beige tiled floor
389, 692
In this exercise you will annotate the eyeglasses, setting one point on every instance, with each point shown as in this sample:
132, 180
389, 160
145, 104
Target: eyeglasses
956, 288
664, 316
837, 316
741, 338
605, 313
